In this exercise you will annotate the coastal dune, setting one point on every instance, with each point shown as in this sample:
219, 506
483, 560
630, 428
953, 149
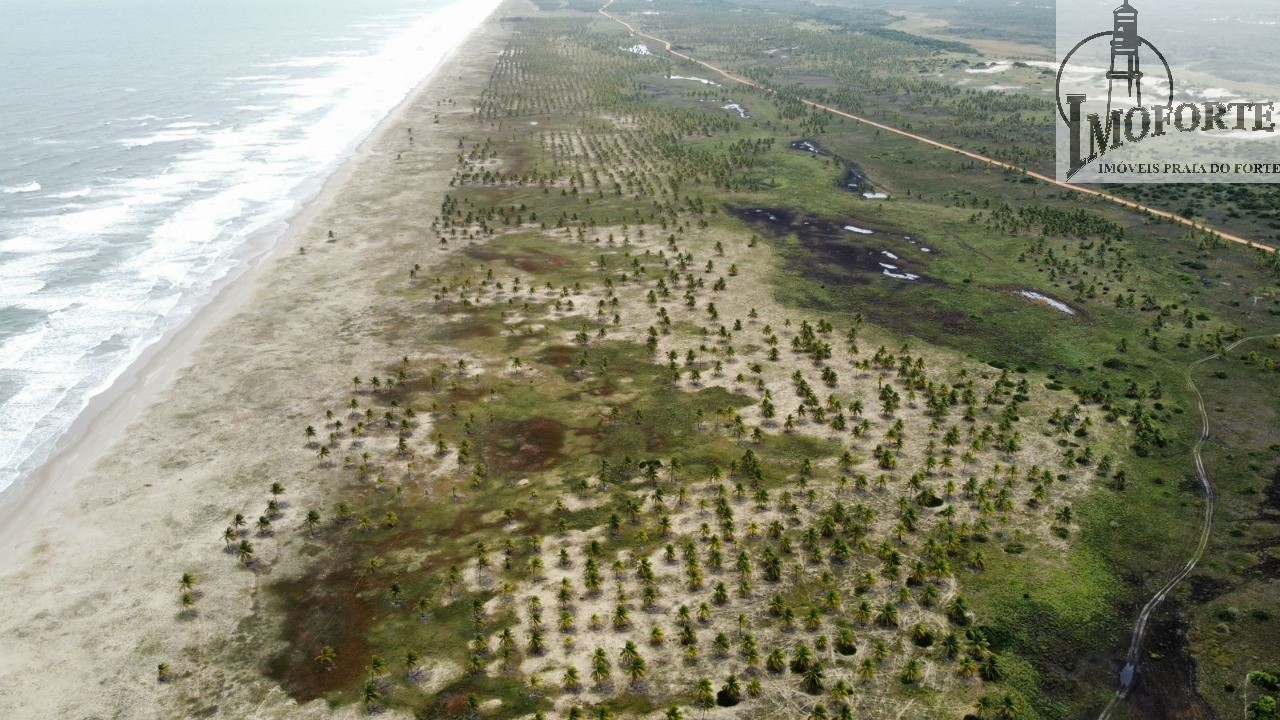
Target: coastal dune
92, 548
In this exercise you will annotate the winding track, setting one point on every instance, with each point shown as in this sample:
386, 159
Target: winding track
1129, 673
943, 146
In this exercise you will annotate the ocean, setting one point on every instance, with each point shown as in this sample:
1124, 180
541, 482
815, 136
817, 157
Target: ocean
143, 142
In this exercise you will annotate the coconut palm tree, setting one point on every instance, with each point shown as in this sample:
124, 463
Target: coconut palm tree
412, 670
812, 678
636, 669
776, 661
951, 645
600, 668
880, 650
887, 615
912, 672
372, 695
731, 693
844, 642
958, 611
656, 636
992, 670
750, 653
863, 613
801, 658
244, 552
1009, 709
571, 682
706, 697
721, 644
327, 658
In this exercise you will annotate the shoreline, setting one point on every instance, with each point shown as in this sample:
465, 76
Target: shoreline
199, 426
92, 435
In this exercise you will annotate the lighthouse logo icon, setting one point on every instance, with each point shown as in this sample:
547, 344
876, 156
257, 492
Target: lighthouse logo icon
1123, 120
1125, 44
1124, 79
1127, 48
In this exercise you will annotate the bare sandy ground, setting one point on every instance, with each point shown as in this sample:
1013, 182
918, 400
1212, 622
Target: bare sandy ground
91, 551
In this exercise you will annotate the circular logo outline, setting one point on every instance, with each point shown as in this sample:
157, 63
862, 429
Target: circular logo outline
1062, 113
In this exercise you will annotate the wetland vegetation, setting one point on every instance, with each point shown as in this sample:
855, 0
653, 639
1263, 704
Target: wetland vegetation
692, 427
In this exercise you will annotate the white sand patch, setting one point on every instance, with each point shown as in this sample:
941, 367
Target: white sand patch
704, 81
875, 196
1055, 304
888, 254
735, 107
995, 67
901, 276
639, 49
860, 231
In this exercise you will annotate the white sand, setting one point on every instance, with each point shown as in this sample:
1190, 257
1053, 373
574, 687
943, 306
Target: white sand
92, 547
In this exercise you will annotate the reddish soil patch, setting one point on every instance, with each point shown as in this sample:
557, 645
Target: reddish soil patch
530, 261
558, 355
526, 446
464, 331
322, 612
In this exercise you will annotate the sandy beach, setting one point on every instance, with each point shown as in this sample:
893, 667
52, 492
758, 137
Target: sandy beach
92, 547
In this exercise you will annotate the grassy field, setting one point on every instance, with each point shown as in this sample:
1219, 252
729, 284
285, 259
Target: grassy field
696, 424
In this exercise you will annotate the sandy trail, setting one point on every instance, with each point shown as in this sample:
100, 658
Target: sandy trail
1133, 659
950, 148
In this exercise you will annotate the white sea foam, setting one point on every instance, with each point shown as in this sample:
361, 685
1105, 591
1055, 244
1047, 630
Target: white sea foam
72, 194
173, 233
16, 189
15, 348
